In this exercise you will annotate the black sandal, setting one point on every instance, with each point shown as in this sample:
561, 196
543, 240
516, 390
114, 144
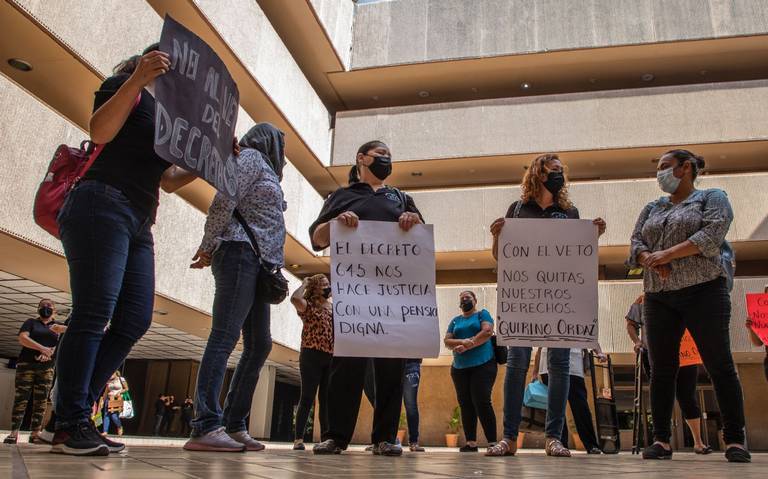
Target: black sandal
703, 451
737, 454
657, 451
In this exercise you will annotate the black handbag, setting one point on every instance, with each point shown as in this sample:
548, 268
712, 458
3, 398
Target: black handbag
271, 285
499, 352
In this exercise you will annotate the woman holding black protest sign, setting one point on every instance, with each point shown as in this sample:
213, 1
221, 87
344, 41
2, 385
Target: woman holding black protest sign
678, 241
366, 198
544, 194
231, 229
106, 230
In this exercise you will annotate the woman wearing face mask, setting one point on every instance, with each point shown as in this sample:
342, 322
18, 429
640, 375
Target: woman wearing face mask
544, 194
474, 368
106, 230
677, 240
312, 303
366, 198
226, 247
34, 370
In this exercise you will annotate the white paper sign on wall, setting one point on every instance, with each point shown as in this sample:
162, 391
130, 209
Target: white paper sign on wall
384, 297
547, 283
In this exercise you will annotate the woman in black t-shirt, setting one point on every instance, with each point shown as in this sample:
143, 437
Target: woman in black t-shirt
34, 370
105, 226
544, 194
366, 198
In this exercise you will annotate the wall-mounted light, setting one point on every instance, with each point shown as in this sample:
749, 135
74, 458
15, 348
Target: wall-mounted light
19, 64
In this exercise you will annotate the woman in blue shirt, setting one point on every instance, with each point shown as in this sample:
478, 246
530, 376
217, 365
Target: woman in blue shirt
474, 368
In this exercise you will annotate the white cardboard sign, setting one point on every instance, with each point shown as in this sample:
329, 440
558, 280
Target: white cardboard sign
384, 297
547, 283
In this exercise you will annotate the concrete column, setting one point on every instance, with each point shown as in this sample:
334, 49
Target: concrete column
260, 424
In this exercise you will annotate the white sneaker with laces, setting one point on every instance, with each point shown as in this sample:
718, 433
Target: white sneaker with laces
244, 438
216, 441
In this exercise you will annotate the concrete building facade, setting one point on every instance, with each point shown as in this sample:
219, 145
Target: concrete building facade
465, 92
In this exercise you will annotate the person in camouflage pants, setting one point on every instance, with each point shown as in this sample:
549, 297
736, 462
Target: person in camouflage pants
31, 380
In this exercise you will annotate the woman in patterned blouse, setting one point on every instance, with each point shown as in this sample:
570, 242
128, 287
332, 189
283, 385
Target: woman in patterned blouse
312, 302
235, 264
677, 240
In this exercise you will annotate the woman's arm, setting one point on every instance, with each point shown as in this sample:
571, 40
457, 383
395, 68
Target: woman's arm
486, 331
110, 117
321, 237
26, 341
536, 363
496, 227
297, 298
174, 178
59, 328
638, 250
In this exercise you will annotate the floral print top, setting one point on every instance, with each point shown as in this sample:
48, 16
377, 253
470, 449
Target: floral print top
703, 218
260, 201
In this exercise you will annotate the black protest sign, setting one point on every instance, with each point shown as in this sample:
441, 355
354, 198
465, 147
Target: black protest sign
197, 105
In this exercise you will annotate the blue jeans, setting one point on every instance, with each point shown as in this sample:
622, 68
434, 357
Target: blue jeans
110, 418
410, 398
518, 360
235, 270
110, 252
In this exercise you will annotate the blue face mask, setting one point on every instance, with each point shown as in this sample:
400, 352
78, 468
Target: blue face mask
668, 182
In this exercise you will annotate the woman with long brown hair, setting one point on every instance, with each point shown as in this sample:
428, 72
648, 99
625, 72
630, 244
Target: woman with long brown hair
313, 304
544, 194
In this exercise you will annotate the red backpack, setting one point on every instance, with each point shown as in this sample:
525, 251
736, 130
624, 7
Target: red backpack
67, 167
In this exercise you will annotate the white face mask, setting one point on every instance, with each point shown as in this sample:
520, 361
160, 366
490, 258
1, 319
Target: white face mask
668, 182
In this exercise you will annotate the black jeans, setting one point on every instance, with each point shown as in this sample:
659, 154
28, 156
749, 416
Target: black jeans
685, 389
314, 367
582, 415
705, 309
473, 390
345, 389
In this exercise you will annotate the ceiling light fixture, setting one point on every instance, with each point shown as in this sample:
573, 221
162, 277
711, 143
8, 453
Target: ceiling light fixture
375, 98
525, 85
19, 64
423, 94
416, 173
647, 77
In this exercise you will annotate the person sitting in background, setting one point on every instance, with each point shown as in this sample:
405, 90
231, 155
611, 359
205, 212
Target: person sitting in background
755, 339
474, 368
34, 370
687, 377
313, 305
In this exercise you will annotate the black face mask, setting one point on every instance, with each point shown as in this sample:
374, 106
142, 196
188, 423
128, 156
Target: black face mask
45, 312
467, 305
381, 166
327, 293
555, 182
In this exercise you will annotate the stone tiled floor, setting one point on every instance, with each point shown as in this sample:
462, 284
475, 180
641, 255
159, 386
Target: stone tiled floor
278, 462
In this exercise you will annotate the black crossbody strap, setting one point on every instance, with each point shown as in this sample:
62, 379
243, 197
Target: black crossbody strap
518, 205
244, 224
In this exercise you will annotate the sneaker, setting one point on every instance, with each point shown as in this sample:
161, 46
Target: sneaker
79, 440
45, 436
114, 447
467, 448
244, 438
369, 448
387, 449
414, 447
595, 450
299, 446
10, 440
327, 447
738, 454
215, 441
657, 451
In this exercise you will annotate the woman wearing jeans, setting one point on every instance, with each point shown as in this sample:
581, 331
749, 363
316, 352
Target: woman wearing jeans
474, 368
677, 240
227, 249
544, 195
312, 303
106, 230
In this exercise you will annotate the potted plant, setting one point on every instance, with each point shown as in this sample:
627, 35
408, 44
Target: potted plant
401, 428
454, 424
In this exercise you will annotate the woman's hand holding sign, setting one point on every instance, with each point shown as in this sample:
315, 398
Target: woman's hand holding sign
149, 67
348, 218
600, 225
408, 219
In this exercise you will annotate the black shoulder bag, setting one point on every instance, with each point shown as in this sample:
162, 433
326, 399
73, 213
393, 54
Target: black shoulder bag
271, 285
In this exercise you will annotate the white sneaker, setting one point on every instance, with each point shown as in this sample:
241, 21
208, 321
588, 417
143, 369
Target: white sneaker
244, 438
215, 441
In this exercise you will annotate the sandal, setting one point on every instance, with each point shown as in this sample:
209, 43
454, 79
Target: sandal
703, 450
737, 454
555, 448
416, 448
501, 448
